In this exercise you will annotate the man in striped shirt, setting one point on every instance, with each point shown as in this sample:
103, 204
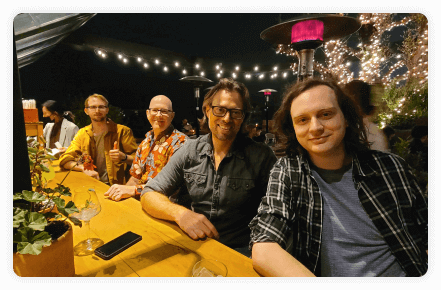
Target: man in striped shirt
334, 207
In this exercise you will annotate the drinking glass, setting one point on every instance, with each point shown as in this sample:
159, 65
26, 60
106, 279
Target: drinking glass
87, 202
209, 268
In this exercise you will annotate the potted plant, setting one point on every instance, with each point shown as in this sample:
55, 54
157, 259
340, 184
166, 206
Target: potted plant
43, 238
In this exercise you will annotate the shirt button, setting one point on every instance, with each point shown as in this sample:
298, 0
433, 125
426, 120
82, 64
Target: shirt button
316, 214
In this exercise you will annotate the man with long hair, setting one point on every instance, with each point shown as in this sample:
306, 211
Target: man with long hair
348, 210
225, 173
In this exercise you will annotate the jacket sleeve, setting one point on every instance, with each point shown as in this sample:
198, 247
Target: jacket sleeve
128, 142
73, 149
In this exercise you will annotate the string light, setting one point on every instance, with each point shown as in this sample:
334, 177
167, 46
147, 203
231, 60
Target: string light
339, 59
218, 72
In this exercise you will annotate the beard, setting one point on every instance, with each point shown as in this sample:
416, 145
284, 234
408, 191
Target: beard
99, 118
224, 136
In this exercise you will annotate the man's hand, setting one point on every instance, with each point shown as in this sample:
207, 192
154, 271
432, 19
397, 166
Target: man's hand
116, 155
92, 173
197, 226
117, 191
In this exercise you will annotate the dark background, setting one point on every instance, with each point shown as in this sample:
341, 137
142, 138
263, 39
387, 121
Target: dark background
72, 70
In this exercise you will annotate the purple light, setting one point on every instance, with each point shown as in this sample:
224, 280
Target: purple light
307, 30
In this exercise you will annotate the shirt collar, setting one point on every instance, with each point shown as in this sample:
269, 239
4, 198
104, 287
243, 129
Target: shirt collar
111, 127
359, 168
168, 131
236, 148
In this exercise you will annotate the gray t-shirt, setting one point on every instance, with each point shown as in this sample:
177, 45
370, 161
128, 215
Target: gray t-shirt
351, 244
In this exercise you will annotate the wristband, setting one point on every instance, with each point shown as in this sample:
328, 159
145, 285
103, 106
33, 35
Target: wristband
138, 190
124, 158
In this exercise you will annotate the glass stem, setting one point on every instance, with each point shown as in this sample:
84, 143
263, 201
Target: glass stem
87, 224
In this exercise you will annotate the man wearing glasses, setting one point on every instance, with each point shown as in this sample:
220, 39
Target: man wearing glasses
99, 140
154, 151
225, 173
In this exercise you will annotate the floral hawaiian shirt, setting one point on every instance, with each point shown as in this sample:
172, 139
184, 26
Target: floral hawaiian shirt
153, 153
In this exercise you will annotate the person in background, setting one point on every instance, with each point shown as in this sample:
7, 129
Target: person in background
389, 132
111, 146
154, 151
419, 141
361, 93
256, 133
350, 211
62, 129
225, 173
186, 127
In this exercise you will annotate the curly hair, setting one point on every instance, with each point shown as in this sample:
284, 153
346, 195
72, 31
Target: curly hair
229, 85
355, 139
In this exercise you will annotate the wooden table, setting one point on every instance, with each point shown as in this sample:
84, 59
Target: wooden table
165, 250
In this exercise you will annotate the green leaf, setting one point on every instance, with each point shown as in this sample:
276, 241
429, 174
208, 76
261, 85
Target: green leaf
36, 221
59, 202
33, 196
38, 180
76, 221
34, 244
70, 208
44, 168
67, 209
48, 190
32, 150
19, 217
17, 196
63, 190
24, 234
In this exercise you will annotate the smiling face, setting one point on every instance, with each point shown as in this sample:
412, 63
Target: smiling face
319, 123
159, 121
225, 128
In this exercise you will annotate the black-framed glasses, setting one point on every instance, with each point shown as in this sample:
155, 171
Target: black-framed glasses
222, 111
101, 108
160, 111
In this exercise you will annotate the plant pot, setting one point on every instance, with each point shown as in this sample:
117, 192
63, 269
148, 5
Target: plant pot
56, 260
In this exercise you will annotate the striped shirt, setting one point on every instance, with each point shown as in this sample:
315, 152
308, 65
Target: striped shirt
388, 192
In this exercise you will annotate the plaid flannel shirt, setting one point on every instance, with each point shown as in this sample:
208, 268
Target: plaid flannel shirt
388, 192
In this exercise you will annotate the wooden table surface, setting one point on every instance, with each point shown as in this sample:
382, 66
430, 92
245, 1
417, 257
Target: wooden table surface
165, 250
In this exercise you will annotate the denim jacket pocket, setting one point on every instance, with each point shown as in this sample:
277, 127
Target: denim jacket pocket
195, 183
239, 184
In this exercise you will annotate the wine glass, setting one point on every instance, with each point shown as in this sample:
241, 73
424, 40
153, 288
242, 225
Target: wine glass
87, 202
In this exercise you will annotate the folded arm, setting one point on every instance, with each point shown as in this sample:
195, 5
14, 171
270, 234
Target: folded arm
197, 226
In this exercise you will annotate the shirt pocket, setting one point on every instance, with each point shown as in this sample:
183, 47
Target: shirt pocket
196, 184
239, 184
238, 192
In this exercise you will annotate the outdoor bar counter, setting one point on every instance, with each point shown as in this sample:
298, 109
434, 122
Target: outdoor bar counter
164, 251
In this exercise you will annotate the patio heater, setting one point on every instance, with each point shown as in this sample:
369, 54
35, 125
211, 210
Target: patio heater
267, 94
306, 33
197, 82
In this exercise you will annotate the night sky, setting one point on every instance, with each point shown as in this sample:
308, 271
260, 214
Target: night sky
72, 69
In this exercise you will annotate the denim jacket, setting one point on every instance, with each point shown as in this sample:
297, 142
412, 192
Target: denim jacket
228, 197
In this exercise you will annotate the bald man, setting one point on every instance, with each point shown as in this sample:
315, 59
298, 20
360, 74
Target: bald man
154, 151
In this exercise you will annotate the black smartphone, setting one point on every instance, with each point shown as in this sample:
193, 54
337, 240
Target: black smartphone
116, 246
